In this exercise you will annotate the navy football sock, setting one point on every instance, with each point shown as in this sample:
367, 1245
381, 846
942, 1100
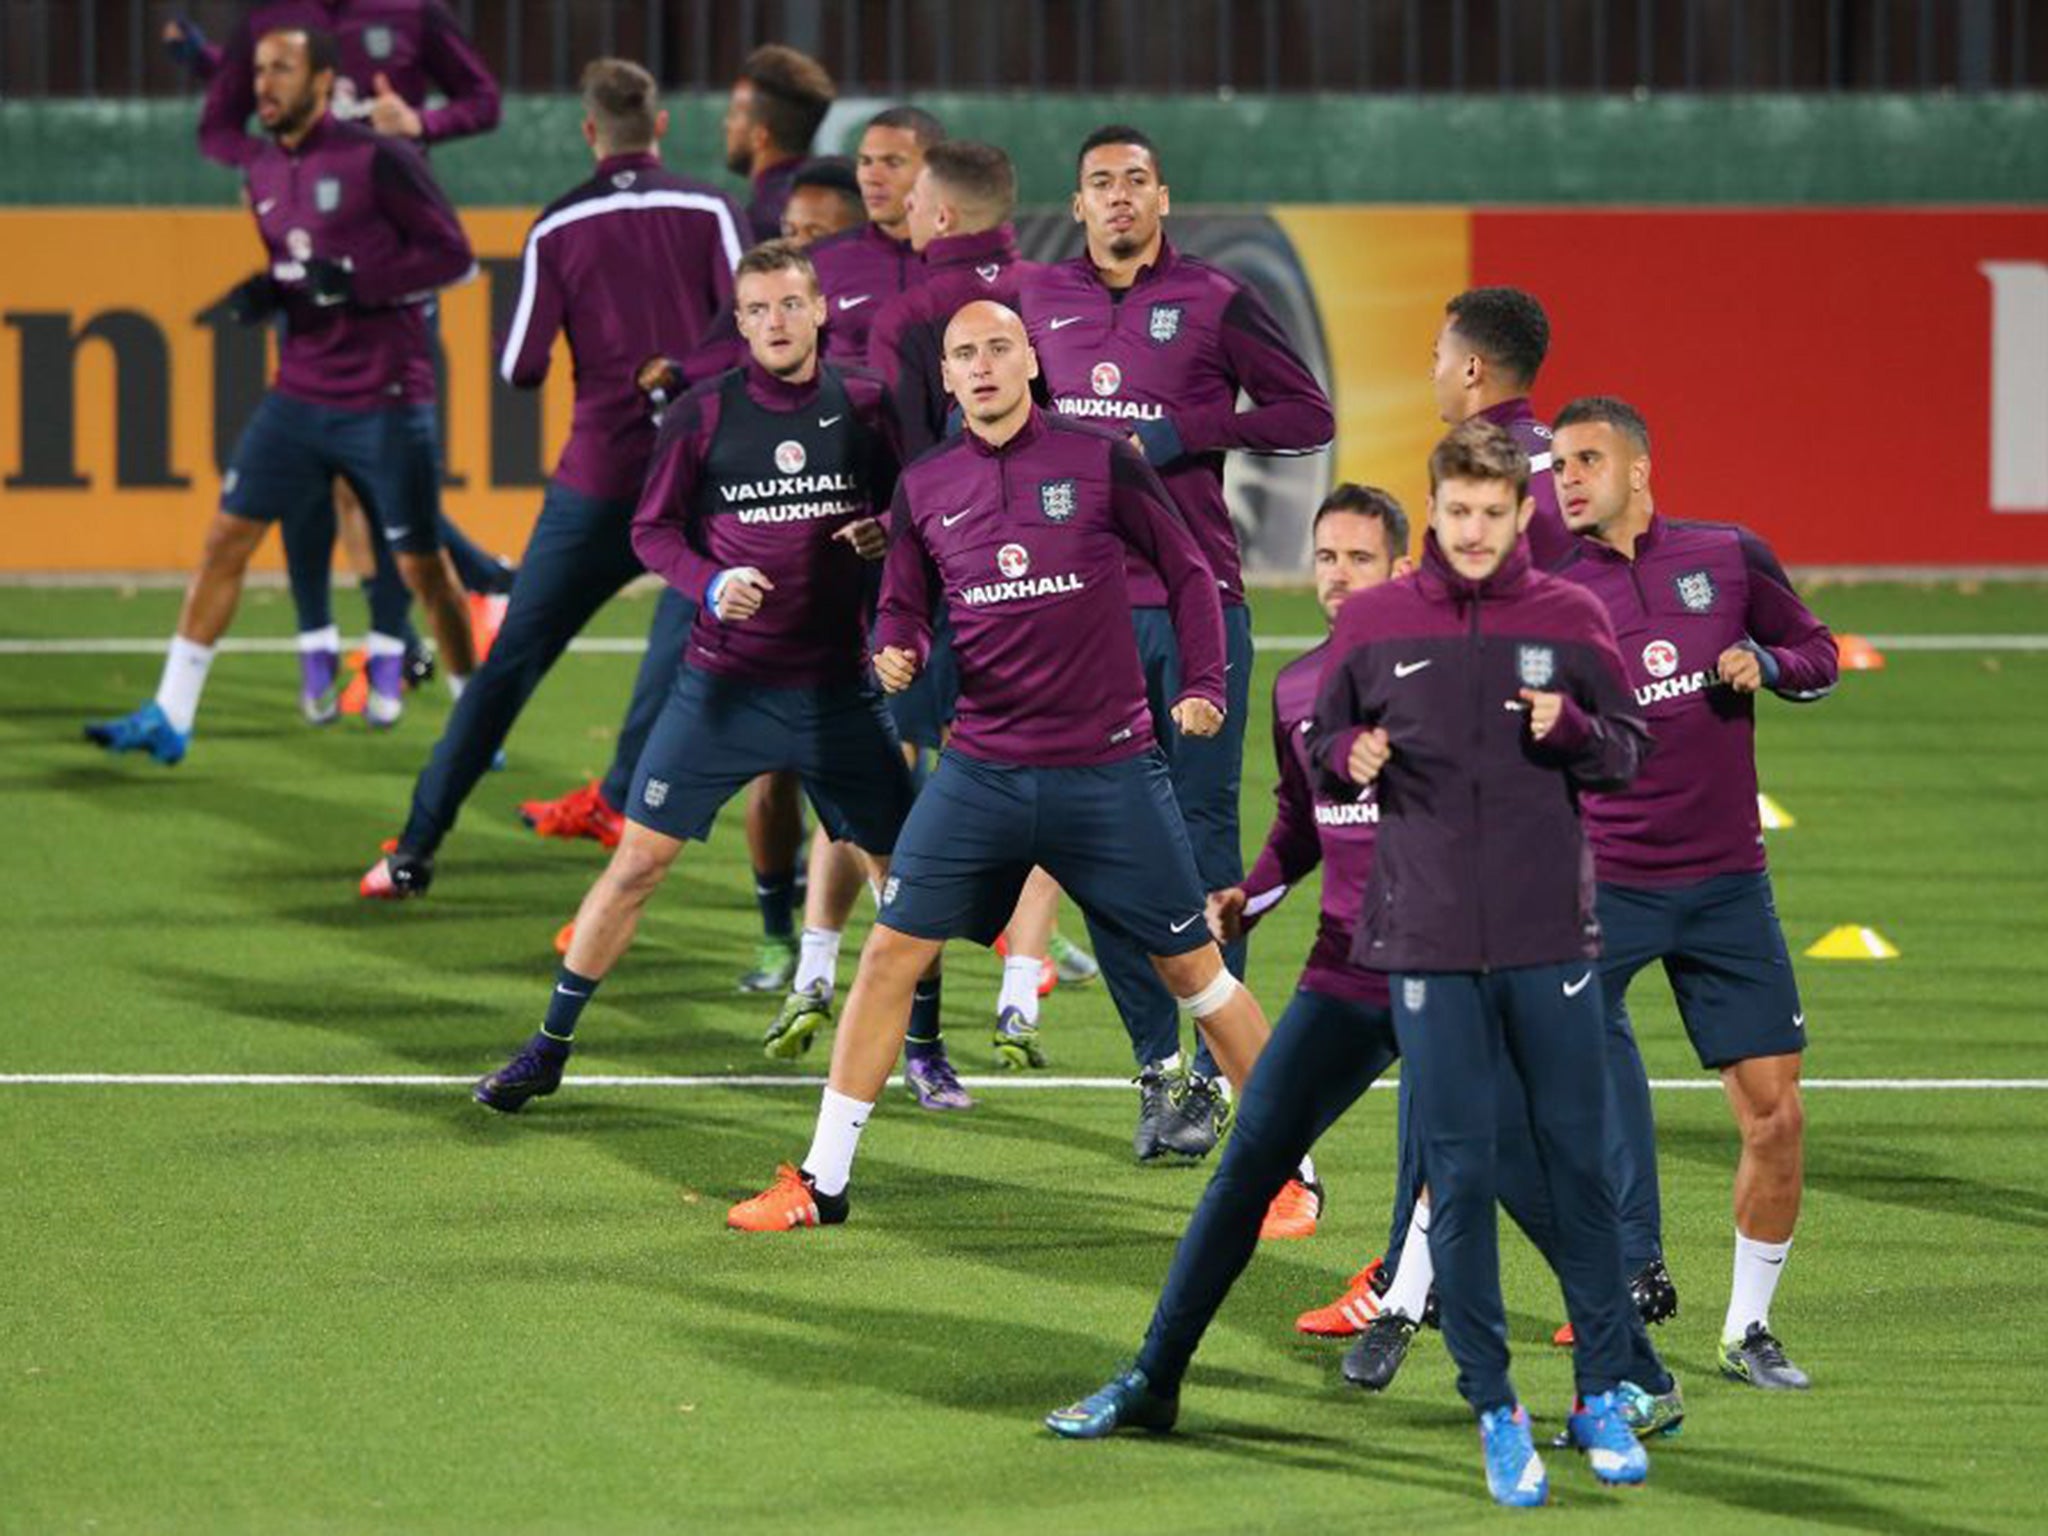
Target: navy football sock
925, 1035
776, 895
565, 1006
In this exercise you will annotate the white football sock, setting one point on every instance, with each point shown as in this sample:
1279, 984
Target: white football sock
1757, 1268
1020, 986
177, 694
376, 643
1307, 1172
830, 1160
1409, 1293
457, 681
817, 959
328, 639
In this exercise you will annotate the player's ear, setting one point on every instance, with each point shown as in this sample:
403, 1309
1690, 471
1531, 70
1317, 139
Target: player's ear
1401, 567
1079, 217
660, 125
1639, 475
1030, 361
1527, 511
1165, 201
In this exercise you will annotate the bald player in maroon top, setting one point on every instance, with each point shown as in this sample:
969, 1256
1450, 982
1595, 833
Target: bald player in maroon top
1487, 354
1707, 620
1027, 522
1160, 347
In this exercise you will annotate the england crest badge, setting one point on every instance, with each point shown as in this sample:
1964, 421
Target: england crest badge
1164, 324
1414, 993
1696, 591
1536, 665
1056, 500
327, 193
377, 42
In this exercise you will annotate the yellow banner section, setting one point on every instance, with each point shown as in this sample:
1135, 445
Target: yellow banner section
123, 384
1381, 278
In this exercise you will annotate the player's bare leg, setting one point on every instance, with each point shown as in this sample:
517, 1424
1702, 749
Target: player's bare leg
431, 580
216, 587
604, 927
1763, 1092
610, 914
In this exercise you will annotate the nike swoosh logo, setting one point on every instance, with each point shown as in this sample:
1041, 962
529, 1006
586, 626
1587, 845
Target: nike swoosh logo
1062, 322
1182, 927
1409, 668
826, 421
1774, 1263
949, 520
1305, 726
265, 206
854, 301
566, 992
1799, 1021
1574, 988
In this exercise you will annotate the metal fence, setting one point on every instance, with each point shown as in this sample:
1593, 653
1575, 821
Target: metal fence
897, 47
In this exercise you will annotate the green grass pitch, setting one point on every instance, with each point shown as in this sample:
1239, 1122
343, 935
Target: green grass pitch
382, 1308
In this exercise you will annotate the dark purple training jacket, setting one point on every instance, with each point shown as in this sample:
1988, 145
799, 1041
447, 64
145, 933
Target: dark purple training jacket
1692, 591
1312, 826
1165, 359
908, 339
1482, 863
1548, 539
768, 195
636, 262
1029, 544
860, 270
417, 44
349, 195
753, 471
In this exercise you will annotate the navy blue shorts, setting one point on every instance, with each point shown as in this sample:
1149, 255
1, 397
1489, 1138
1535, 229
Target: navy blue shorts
1111, 834
715, 735
1725, 954
289, 455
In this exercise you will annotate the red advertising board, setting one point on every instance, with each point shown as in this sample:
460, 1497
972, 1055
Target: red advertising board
1862, 388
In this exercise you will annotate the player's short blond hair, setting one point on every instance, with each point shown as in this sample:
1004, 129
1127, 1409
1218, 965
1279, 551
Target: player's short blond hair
623, 101
1479, 450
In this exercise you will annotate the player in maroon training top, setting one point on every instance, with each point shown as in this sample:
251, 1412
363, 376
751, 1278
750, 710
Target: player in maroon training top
865, 268
1707, 620
1027, 522
777, 102
1487, 354
1160, 346
358, 238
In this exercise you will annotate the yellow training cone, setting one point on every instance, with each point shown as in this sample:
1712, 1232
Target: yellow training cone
1850, 942
1775, 817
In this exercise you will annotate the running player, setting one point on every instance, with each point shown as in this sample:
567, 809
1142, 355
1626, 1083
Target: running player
1707, 619
636, 258
760, 504
777, 102
1160, 345
865, 268
359, 238
1027, 520
1483, 697
1488, 352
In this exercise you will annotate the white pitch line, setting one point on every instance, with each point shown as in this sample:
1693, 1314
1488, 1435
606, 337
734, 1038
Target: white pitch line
613, 645
434, 1080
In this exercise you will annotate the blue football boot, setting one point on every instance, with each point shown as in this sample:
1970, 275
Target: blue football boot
147, 730
1127, 1402
1599, 1426
1514, 1472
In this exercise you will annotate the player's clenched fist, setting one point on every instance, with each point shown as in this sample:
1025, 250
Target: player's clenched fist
1197, 717
1369, 753
738, 593
1544, 709
1741, 669
1226, 914
896, 667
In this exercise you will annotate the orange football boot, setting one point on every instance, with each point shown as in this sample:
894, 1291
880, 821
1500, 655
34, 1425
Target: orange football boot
1349, 1313
788, 1203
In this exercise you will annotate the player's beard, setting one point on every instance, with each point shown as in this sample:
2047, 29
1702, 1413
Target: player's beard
1123, 247
739, 160
295, 116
